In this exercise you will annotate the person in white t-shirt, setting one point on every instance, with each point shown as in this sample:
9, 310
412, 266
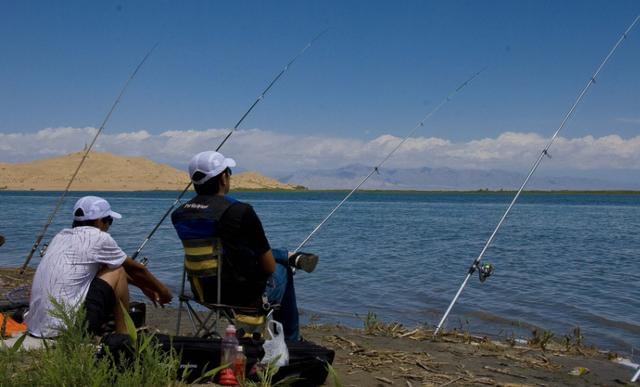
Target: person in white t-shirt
84, 265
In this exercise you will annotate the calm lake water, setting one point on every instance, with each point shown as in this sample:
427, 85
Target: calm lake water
560, 260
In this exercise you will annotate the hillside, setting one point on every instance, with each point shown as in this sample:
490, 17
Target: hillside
108, 172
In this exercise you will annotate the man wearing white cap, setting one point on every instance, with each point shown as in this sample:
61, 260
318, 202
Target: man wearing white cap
83, 265
213, 224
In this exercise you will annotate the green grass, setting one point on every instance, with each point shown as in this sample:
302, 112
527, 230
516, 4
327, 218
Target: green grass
71, 360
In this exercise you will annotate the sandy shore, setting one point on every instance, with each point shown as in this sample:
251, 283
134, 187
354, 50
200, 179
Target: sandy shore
391, 354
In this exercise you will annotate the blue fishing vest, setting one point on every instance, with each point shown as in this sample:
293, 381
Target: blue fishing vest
197, 225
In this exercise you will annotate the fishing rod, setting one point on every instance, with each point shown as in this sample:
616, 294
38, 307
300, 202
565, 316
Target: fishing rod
545, 152
636, 376
376, 169
84, 157
260, 97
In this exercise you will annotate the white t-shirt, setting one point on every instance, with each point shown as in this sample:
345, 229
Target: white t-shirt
70, 263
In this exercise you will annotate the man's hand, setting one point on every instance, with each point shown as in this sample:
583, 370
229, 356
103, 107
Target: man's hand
158, 296
140, 276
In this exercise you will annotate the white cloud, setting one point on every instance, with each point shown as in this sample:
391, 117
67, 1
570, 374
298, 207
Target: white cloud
133, 136
274, 153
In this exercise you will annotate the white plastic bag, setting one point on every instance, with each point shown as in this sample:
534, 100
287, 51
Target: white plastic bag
275, 349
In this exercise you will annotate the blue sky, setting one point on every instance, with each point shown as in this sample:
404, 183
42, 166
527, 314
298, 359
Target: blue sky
378, 70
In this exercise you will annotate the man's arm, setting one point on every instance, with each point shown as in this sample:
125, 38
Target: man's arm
140, 276
257, 241
267, 262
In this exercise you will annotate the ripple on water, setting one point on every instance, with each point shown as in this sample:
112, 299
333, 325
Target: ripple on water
560, 260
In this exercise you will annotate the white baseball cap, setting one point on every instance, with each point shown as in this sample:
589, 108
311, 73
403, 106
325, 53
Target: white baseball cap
209, 163
93, 207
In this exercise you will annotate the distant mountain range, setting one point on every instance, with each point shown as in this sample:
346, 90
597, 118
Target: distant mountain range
108, 172
426, 178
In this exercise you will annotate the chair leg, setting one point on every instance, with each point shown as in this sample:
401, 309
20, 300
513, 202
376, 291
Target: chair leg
193, 316
219, 294
198, 324
179, 315
203, 324
184, 275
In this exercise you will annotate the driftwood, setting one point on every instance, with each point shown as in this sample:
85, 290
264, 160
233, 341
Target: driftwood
503, 371
417, 367
385, 380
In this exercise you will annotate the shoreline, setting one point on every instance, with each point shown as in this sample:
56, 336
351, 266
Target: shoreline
380, 354
384, 354
364, 191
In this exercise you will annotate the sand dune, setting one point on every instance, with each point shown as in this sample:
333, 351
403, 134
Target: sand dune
108, 172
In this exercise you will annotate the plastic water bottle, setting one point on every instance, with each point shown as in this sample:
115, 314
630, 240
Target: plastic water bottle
229, 346
240, 364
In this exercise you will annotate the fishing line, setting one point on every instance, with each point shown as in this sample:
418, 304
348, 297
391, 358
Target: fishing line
84, 157
545, 152
260, 97
377, 167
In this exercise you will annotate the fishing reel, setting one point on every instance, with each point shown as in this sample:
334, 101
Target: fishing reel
484, 270
43, 250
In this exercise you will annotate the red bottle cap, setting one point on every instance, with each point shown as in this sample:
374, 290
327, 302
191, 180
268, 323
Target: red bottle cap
227, 378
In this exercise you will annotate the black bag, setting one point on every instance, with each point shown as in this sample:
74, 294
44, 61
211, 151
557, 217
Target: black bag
307, 361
